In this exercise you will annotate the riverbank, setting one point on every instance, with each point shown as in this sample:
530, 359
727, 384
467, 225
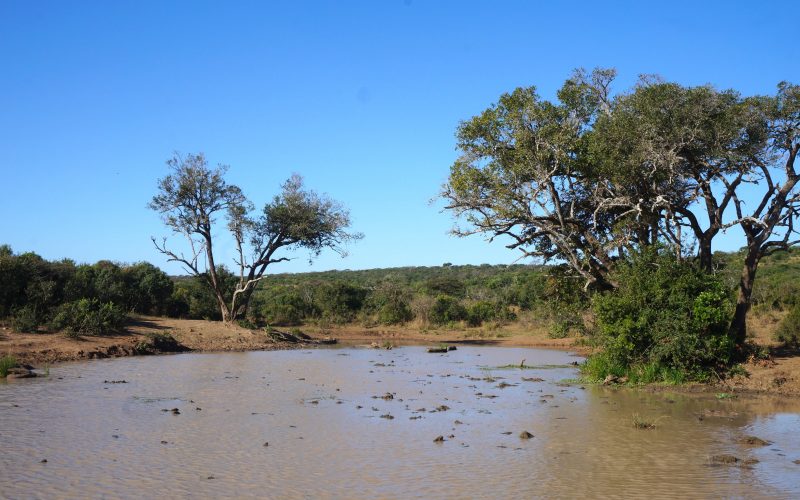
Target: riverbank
213, 336
778, 375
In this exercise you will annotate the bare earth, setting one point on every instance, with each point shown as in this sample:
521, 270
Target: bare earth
779, 375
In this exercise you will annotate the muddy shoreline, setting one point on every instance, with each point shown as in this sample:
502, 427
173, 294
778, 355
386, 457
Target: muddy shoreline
778, 376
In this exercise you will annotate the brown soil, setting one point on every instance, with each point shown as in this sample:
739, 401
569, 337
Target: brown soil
780, 374
200, 335
196, 335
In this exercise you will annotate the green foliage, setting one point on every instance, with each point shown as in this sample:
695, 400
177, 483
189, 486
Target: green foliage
484, 311
88, 316
789, 329
665, 317
446, 310
6, 363
338, 302
26, 319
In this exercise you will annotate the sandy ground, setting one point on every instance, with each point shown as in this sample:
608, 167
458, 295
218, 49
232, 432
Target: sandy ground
780, 374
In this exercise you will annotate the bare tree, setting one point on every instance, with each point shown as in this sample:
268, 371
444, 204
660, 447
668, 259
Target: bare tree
194, 195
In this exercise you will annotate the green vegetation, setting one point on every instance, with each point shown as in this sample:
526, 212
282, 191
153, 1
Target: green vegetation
595, 176
88, 316
789, 329
6, 363
84, 299
667, 321
642, 423
194, 195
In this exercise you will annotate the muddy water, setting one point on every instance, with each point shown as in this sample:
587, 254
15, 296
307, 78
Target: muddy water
329, 437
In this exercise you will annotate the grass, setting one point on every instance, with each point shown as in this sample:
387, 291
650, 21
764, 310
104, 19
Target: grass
6, 363
725, 395
642, 423
522, 366
598, 366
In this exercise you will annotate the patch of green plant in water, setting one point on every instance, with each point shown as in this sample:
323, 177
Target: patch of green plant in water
642, 423
569, 381
599, 366
6, 363
725, 395
530, 367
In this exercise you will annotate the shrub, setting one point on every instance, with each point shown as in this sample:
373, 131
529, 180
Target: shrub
26, 319
789, 329
666, 316
88, 316
283, 309
6, 363
446, 309
483, 311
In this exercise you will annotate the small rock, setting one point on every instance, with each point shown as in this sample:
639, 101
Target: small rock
266, 443
754, 441
164, 442
43, 461
458, 422
525, 435
387, 417
451, 348
724, 459
796, 462
175, 411
388, 396
439, 439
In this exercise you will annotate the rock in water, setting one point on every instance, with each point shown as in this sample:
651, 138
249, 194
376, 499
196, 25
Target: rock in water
525, 435
754, 441
439, 439
724, 459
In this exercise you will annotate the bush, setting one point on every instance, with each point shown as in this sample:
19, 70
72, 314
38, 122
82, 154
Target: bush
446, 309
665, 317
286, 308
789, 329
567, 319
26, 319
88, 316
483, 311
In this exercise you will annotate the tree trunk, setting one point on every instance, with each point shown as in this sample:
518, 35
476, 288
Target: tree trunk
705, 255
739, 324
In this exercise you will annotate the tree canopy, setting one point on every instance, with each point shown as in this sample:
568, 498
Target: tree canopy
594, 176
194, 196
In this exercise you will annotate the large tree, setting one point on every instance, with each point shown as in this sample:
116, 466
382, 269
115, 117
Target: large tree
194, 196
591, 177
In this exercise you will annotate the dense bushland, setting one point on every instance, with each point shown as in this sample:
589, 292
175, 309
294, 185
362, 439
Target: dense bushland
80, 298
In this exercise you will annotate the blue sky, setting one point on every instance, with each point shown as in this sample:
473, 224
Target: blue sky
361, 98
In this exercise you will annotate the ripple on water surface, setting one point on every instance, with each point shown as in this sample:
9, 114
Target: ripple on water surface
357, 422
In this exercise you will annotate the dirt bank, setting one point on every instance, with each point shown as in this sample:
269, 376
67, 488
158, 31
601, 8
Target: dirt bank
780, 374
209, 336
194, 335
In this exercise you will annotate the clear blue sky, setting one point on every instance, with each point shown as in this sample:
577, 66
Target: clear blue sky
361, 98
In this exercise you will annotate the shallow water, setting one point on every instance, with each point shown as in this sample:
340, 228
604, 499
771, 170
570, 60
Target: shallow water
105, 440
